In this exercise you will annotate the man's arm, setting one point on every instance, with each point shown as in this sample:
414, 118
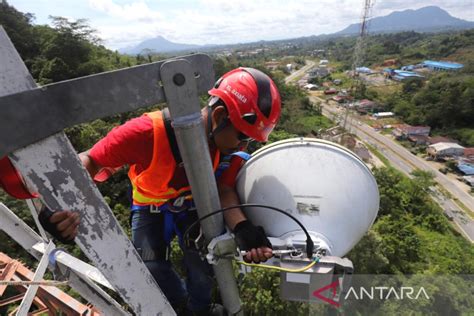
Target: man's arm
238, 223
124, 144
228, 197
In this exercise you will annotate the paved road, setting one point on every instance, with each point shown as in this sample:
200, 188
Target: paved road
405, 161
453, 213
309, 64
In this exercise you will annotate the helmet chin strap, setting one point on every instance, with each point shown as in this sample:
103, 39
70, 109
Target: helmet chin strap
218, 129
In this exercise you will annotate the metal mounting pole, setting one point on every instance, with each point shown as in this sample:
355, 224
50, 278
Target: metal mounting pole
180, 89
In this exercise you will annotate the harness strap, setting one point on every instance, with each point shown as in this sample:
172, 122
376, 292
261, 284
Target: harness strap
171, 136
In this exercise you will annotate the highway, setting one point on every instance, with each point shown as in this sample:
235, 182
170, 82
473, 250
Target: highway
292, 77
405, 161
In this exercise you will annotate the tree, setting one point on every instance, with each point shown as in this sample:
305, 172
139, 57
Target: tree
412, 85
18, 27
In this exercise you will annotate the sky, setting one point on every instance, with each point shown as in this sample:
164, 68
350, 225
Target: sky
122, 23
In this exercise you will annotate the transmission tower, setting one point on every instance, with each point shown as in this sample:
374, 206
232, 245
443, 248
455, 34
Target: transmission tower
359, 49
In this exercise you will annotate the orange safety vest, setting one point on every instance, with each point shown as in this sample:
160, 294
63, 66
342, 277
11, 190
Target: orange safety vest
151, 186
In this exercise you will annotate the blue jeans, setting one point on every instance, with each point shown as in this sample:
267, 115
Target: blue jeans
148, 233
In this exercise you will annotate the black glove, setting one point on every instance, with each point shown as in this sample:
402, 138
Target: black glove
249, 236
44, 219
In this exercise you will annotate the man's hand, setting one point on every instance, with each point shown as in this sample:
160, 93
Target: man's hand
63, 225
253, 239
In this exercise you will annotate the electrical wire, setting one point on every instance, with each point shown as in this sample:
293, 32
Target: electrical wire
309, 241
266, 266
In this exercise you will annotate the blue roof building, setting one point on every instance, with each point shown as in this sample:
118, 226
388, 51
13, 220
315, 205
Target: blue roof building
364, 70
466, 168
442, 65
401, 75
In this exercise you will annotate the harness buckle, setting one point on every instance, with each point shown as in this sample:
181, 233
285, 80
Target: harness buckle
199, 241
178, 205
154, 209
178, 202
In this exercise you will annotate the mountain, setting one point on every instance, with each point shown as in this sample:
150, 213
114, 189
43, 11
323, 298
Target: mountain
158, 45
426, 19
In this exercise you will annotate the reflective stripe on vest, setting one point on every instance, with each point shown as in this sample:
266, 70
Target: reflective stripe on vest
151, 186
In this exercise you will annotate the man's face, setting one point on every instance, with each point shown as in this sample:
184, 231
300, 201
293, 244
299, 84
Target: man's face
226, 140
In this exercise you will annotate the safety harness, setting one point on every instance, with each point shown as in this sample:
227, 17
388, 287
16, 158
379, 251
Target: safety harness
175, 210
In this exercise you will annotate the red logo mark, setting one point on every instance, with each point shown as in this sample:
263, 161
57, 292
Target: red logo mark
332, 286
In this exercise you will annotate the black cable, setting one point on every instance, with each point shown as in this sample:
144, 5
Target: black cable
309, 241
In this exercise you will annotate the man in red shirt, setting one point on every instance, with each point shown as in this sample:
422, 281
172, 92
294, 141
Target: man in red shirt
244, 106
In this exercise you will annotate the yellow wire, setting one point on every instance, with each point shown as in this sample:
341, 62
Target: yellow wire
258, 265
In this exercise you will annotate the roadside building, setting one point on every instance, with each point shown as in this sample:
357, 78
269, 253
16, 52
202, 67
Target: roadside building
390, 62
330, 91
401, 75
340, 98
469, 180
469, 153
381, 115
318, 52
272, 65
442, 65
302, 82
466, 162
377, 127
419, 139
404, 131
323, 62
466, 167
442, 150
311, 87
363, 70
289, 67
440, 139
318, 72
365, 106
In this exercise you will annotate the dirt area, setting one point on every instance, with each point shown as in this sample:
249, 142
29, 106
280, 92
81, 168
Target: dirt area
375, 162
367, 119
316, 93
376, 80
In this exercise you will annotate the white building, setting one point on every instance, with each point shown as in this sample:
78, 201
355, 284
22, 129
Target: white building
323, 62
311, 86
383, 115
289, 67
469, 180
439, 150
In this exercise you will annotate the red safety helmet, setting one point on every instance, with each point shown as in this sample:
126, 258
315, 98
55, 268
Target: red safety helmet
252, 101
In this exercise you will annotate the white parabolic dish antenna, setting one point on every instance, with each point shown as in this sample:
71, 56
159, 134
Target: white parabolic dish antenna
324, 185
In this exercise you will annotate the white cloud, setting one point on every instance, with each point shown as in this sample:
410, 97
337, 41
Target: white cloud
136, 11
220, 22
